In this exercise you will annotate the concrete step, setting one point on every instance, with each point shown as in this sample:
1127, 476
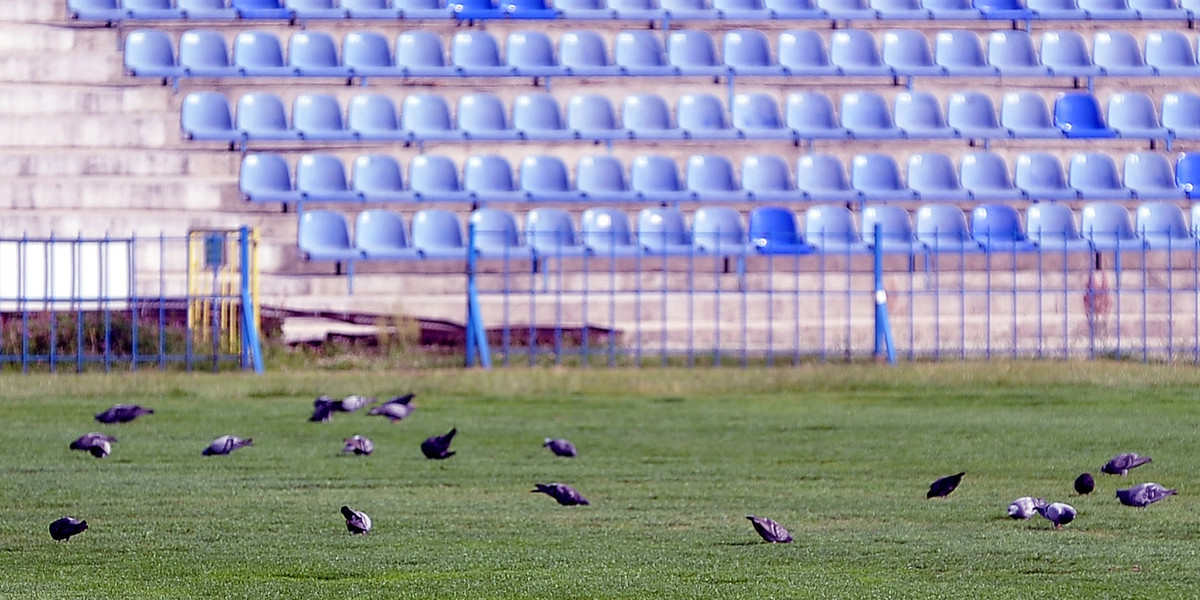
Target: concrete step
192, 194
117, 100
89, 131
131, 163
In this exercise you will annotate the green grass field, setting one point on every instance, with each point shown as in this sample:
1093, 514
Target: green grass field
672, 461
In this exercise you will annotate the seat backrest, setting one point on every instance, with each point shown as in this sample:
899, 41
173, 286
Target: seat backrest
1115, 48
1105, 220
718, 229
1064, 49
206, 111
261, 112
372, 112
906, 49
654, 173
604, 228
544, 173
1092, 171
203, 48
582, 48
1161, 219
1050, 222
433, 173
875, 172
645, 112
826, 224
1025, 111
436, 228
256, 49
929, 171
376, 173
970, 110
938, 224
992, 223
766, 173
773, 226
600, 173
803, 48
958, 48
865, 111
487, 173
659, 227
366, 49
322, 229
1187, 172
984, 171
1181, 110
701, 112
419, 49
638, 48
810, 111
1131, 110
529, 49
380, 229
550, 230
536, 112
318, 172
918, 111
1074, 112
755, 110
850, 48
482, 111
474, 49
821, 172
1039, 170
711, 173
317, 113
746, 48
590, 112
264, 172
148, 48
1147, 171
1011, 49
312, 49
894, 224
1169, 49
691, 48
495, 229
425, 113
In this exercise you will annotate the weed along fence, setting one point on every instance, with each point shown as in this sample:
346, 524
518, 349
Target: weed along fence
128, 303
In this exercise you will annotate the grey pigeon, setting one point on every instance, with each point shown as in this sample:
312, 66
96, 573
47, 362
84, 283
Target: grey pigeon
357, 521
323, 408
352, 403
122, 413
62, 529
438, 446
560, 447
1084, 484
1058, 513
1025, 507
98, 444
1122, 463
1143, 494
563, 493
396, 409
770, 530
358, 445
942, 487
226, 444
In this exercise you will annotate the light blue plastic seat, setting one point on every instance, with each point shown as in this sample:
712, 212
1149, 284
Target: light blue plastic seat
919, 115
702, 117
932, 176
373, 117
316, 9
718, 230
1161, 226
259, 54
773, 230
822, 178
1040, 175
1181, 114
900, 10
766, 178
997, 228
803, 52
583, 53
663, 230
203, 53
481, 116
1170, 53
261, 116
437, 233
907, 52
960, 53
848, 10
498, 236
1066, 53
366, 54
648, 117
985, 175
324, 235
315, 54
537, 116
489, 178
261, 9
206, 10
150, 53
1012, 53
591, 117
748, 52
96, 10
151, 9
1118, 10
1187, 173
1133, 115
1026, 115
426, 117
531, 53
477, 54
952, 10
585, 9
1079, 116
318, 117
1095, 176
795, 9
601, 178
895, 229
380, 234
831, 229
544, 178
877, 177
1159, 10
866, 116
607, 233
322, 178
693, 52
640, 52
756, 116
1107, 226
655, 178
854, 52
943, 229
1059, 10
711, 178
378, 178
1150, 176
1117, 54
742, 10
810, 116
371, 9
550, 231
1052, 227
266, 178
973, 116
681, 10
434, 178
420, 54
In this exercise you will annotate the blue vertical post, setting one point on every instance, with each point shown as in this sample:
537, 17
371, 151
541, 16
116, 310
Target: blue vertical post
476, 336
251, 344
884, 344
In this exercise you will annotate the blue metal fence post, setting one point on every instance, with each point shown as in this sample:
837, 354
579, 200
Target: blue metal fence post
251, 343
884, 344
476, 336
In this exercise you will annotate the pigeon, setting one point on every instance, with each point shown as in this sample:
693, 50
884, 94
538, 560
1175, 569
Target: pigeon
438, 446
323, 408
396, 409
352, 403
98, 444
1143, 494
357, 521
1025, 507
123, 413
1058, 513
226, 444
1084, 484
1122, 463
564, 494
770, 530
942, 487
560, 447
358, 445
62, 529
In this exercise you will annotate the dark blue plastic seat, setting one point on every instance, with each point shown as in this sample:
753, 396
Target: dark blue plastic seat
895, 229
997, 228
591, 117
702, 117
470, 10
1117, 54
531, 53
1161, 226
718, 230
203, 53
437, 233
810, 116
374, 117
693, 52
207, 10
606, 232
498, 236
489, 178
877, 177
319, 117
544, 178
1079, 116
748, 52
434, 178
259, 54
316, 9
322, 178
583, 53
267, 178
756, 116
655, 178
381, 235
371, 9
932, 176
261, 9
366, 54
985, 175
663, 230
766, 178
150, 53
1181, 114
550, 231
943, 228
711, 178
529, 9
1052, 227
1012, 53
315, 54
1170, 53
324, 235
960, 52
420, 54
831, 229
640, 52
907, 52
1150, 176
803, 52
867, 116
427, 118
1026, 115
1040, 175
854, 52
1066, 53
1107, 226
378, 178
1187, 174
481, 116
973, 116
648, 117
537, 117
261, 116
773, 230
822, 178
1004, 10
919, 115
1133, 115
601, 178
477, 54
1095, 176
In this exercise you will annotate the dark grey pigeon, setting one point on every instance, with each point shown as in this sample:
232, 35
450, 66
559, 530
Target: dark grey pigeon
352, 403
98, 444
438, 446
1084, 484
122, 413
1025, 507
358, 445
1122, 463
560, 447
564, 494
1143, 494
1058, 513
356, 521
226, 444
396, 409
770, 530
62, 529
323, 408
942, 487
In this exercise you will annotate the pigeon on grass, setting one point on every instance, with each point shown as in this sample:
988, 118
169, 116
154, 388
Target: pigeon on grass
770, 530
62, 529
122, 413
226, 444
1143, 494
942, 487
1122, 463
357, 521
98, 444
352, 403
1025, 507
563, 493
396, 409
1084, 484
560, 447
358, 445
438, 446
1058, 513
323, 409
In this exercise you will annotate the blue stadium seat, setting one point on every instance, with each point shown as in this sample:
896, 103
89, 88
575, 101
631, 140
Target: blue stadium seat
693, 52
373, 117
371, 9
378, 178
420, 54
687, 9
943, 228
470, 10
648, 117
1012, 53
1150, 176
718, 230
261, 116
1095, 175
203, 53
1170, 53
960, 52
381, 235
663, 230
261, 9
1052, 227
711, 178
1064, 10
933, 177
591, 117
427, 118
583, 53
756, 116
319, 117
531, 53
433, 178
477, 54
481, 116
1004, 10
316, 9
529, 9
830, 228
150, 9
1109, 10
640, 52
322, 178
437, 233
903, 10
424, 9
773, 230
802, 52
267, 178
315, 54
907, 52
748, 52
324, 235
810, 116
206, 10
150, 53
1026, 115
1181, 115
1066, 53
1079, 116
602, 179
767, 179
855, 53
997, 228
1187, 174
952, 10
551, 233
1040, 175
985, 174
1107, 226
498, 236
742, 10
1162, 227
849, 10
1132, 115
795, 9
655, 178
895, 229
877, 177
489, 178
366, 54
259, 54
585, 9
544, 178
866, 116
822, 178
919, 115
1117, 54
96, 10
702, 117
973, 116
606, 232
1164, 10
537, 117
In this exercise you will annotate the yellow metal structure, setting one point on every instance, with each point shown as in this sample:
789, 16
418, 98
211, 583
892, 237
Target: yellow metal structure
214, 288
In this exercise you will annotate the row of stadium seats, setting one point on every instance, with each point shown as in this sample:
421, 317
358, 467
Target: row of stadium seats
981, 176
117, 10
756, 116
800, 52
719, 230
